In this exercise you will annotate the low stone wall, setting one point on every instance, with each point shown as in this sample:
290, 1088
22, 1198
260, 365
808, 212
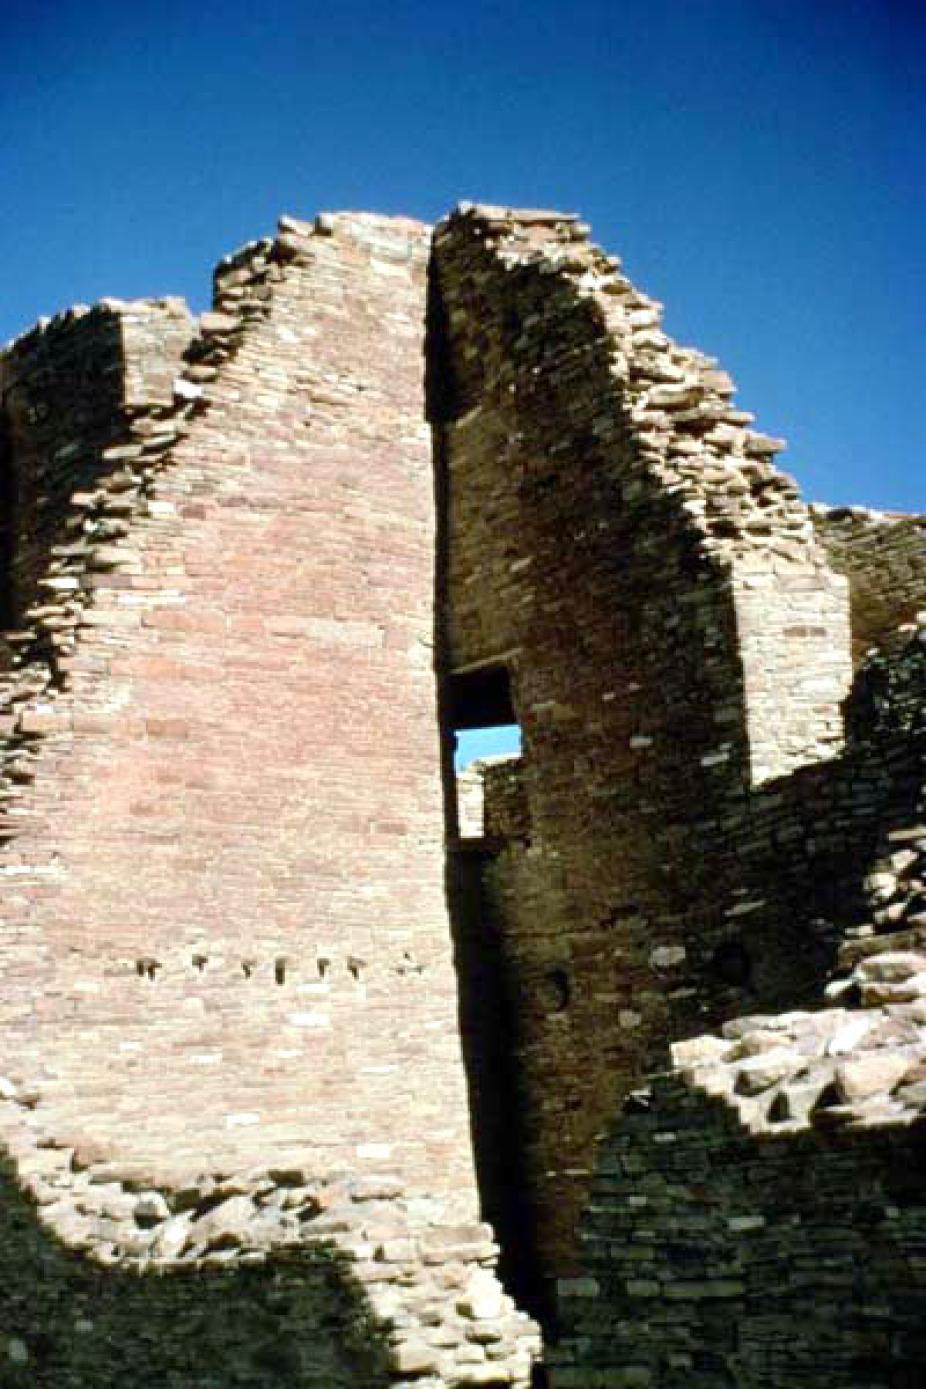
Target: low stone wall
757, 1216
258, 1278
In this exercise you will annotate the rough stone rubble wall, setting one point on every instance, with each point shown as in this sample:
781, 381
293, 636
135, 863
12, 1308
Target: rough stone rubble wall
71, 389
260, 1276
883, 555
225, 868
619, 538
757, 1216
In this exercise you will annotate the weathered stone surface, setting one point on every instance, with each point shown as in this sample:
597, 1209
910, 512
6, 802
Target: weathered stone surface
874, 1074
235, 836
884, 557
234, 1105
676, 643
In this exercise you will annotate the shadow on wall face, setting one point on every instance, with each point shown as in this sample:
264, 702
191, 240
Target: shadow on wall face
71, 1321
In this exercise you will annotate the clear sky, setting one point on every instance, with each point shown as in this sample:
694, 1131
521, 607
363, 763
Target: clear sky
758, 164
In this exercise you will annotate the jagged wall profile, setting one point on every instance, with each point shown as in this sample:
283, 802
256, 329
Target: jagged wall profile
298, 1053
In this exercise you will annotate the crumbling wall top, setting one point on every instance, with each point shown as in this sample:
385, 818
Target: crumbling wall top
883, 555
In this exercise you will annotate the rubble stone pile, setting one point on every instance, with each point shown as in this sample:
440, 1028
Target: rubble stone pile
759, 1206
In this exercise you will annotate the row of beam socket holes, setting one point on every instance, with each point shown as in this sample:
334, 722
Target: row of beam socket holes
146, 967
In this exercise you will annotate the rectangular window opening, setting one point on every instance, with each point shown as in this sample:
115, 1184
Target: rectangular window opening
482, 715
485, 729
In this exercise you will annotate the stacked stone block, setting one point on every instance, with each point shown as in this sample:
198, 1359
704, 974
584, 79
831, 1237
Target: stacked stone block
73, 389
225, 950
757, 1217
883, 555
233, 1101
620, 540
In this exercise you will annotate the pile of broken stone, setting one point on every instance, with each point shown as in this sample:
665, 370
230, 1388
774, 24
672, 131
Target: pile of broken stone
897, 887
856, 1066
430, 1286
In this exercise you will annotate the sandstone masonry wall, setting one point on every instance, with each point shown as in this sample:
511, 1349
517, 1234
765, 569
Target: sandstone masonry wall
619, 540
883, 555
225, 869
757, 1216
70, 389
828, 855
234, 1116
162, 813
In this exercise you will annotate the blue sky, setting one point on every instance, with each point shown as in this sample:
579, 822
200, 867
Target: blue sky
758, 164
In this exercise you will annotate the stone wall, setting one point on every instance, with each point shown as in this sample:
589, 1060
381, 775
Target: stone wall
830, 855
619, 540
234, 1102
883, 555
757, 1216
69, 391
256, 1277
224, 867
